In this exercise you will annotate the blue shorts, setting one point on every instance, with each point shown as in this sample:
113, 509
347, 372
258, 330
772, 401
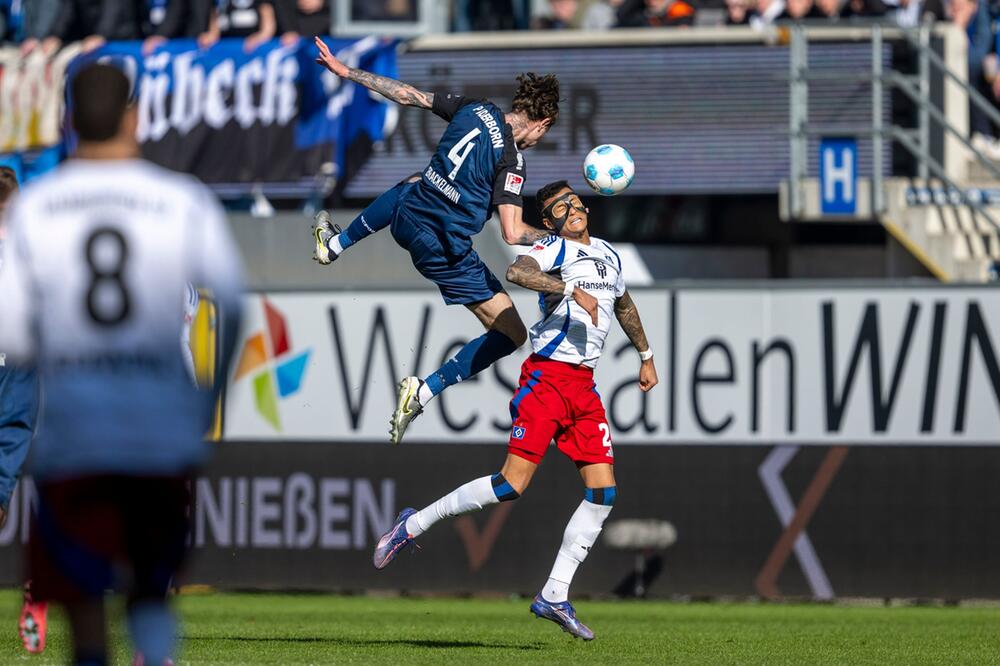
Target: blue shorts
461, 279
18, 410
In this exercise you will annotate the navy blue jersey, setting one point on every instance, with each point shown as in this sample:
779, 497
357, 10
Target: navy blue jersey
476, 166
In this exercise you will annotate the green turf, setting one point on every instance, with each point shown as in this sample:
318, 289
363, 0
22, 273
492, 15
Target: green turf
319, 629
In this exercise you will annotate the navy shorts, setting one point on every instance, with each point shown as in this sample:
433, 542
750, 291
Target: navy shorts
461, 279
18, 413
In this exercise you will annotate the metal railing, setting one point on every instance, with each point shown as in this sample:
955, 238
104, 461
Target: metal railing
916, 142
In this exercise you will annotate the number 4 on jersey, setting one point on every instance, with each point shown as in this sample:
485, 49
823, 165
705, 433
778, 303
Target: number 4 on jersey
461, 151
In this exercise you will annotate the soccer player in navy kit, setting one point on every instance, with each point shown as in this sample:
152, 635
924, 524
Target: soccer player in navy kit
18, 415
477, 165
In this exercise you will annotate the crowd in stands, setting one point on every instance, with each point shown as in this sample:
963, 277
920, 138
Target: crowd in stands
606, 14
48, 24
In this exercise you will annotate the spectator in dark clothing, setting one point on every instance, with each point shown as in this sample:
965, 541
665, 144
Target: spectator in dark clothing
656, 14
384, 10
800, 10
739, 12
169, 19
254, 20
974, 17
302, 18
477, 15
862, 9
95, 22
841, 10
9, 19
561, 14
37, 25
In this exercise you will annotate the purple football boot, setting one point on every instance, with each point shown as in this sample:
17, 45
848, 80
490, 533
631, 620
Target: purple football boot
562, 614
393, 541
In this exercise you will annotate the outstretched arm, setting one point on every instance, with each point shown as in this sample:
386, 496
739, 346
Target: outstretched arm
391, 89
515, 230
628, 317
526, 272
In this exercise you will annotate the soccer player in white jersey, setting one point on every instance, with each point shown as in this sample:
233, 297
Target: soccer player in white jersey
98, 256
579, 280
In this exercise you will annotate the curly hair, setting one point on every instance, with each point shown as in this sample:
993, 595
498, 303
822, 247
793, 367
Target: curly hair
537, 96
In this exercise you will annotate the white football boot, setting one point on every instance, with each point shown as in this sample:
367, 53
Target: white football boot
323, 230
408, 407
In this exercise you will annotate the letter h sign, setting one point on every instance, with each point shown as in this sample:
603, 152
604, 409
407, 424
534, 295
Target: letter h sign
838, 176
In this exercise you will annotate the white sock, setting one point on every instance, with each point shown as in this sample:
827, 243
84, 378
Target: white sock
334, 245
580, 535
473, 496
424, 394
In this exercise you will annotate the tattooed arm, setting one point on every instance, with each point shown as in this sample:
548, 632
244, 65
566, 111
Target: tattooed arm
628, 318
391, 89
526, 272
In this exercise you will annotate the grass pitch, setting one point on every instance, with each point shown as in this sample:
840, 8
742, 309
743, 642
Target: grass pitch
320, 629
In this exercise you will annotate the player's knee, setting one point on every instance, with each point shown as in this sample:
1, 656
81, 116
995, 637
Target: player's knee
507, 491
517, 333
509, 323
602, 496
522, 336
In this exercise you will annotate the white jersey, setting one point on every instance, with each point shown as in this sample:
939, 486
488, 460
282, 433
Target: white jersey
96, 268
566, 331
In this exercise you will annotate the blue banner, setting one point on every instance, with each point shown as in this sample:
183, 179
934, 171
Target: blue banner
236, 119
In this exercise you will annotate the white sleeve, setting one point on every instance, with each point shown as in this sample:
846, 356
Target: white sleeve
220, 267
16, 297
549, 252
620, 287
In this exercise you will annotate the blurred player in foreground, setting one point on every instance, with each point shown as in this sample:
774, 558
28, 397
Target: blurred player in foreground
96, 266
477, 165
18, 413
557, 398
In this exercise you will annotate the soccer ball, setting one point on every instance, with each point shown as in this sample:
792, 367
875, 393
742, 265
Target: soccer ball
609, 169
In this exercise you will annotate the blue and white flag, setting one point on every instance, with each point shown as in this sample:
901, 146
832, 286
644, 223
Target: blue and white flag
272, 116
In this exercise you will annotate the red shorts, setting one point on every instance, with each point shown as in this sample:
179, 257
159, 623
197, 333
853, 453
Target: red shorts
559, 401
